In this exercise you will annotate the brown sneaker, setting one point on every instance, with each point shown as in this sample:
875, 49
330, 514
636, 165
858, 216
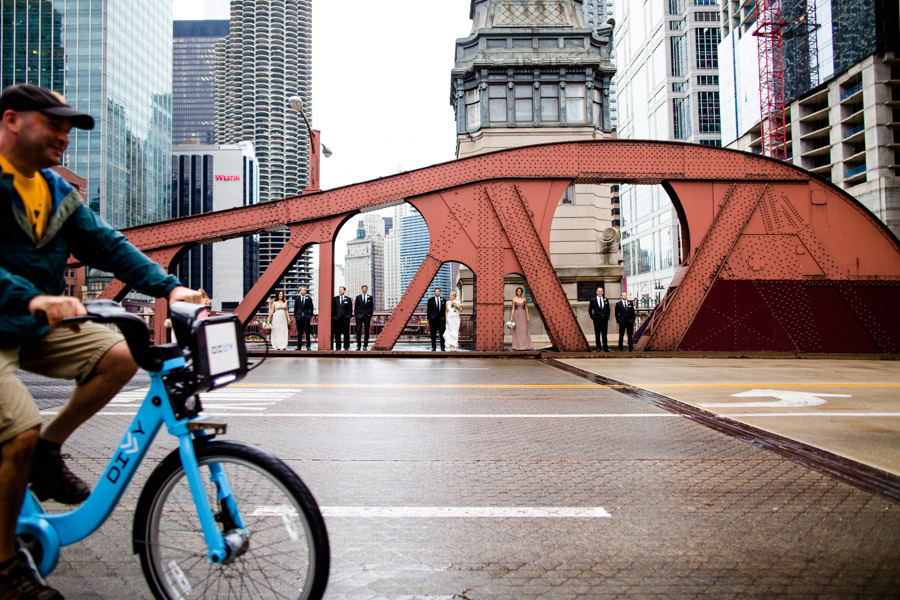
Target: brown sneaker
20, 581
51, 478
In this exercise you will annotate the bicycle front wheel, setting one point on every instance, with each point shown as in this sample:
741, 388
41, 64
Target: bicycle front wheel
286, 551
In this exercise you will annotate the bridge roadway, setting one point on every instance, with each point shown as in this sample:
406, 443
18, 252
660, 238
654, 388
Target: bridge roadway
640, 482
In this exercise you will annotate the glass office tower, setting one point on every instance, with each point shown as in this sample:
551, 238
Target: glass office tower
193, 80
113, 60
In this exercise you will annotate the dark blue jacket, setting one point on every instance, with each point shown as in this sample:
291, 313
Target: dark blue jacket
29, 269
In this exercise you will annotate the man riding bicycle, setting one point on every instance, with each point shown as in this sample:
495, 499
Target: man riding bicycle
42, 221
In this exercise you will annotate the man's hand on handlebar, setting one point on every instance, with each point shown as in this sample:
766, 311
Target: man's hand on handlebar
57, 308
184, 294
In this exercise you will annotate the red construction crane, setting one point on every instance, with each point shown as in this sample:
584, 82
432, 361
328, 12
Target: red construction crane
769, 34
774, 29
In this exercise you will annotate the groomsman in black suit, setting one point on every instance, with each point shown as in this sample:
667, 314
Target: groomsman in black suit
625, 319
363, 310
598, 310
303, 312
437, 319
341, 311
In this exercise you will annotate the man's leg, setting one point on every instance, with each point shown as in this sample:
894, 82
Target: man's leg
441, 330
603, 331
346, 328
366, 324
114, 370
597, 336
17, 577
50, 477
432, 329
15, 456
359, 334
621, 335
630, 331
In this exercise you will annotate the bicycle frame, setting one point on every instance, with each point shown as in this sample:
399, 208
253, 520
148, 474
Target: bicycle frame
55, 530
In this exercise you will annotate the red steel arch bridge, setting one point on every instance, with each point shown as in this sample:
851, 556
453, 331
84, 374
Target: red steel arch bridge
774, 258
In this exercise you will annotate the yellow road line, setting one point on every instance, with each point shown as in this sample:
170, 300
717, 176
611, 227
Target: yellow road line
550, 386
554, 386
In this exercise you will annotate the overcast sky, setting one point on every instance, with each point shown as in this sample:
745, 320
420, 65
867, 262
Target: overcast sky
381, 85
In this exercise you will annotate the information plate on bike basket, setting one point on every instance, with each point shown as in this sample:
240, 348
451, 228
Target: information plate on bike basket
220, 355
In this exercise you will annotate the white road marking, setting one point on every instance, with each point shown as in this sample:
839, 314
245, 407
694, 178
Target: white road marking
786, 398
454, 512
240, 399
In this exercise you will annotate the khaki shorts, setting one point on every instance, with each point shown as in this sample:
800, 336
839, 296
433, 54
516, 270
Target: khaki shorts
61, 354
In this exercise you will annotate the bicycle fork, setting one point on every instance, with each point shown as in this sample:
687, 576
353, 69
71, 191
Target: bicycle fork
223, 547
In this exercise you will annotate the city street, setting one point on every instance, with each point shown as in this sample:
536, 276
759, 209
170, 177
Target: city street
487, 479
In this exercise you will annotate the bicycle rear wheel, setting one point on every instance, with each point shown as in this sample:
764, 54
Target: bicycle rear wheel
287, 555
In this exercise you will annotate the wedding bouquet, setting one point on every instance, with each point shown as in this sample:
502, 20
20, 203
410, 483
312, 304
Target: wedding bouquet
510, 324
168, 323
456, 308
266, 325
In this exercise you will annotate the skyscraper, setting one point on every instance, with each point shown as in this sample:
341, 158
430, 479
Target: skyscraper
414, 243
265, 59
668, 89
841, 88
113, 60
193, 80
364, 262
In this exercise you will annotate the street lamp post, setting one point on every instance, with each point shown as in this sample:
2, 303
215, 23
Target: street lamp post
312, 185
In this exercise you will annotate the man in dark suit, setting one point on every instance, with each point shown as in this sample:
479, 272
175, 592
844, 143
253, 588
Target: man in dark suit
341, 311
437, 319
625, 319
598, 310
303, 312
363, 310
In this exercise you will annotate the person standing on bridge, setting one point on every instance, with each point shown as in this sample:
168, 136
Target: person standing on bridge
518, 314
437, 322
598, 310
363, 310
303, 312
625, 318
278, 317
341, 311
42, 221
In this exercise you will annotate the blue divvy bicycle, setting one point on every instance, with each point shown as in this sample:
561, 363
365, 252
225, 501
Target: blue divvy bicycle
215, 519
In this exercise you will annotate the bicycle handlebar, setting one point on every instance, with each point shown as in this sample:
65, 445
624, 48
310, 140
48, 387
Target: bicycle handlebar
137, 336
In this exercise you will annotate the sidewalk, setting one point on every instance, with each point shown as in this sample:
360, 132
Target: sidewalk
850, 408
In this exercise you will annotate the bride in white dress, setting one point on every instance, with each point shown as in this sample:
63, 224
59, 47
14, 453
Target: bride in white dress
451, 332
278, 317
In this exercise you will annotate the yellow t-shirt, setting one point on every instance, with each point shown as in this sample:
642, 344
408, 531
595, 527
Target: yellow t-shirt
35, 195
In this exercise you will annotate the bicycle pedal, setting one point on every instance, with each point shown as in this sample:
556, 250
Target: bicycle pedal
218, 427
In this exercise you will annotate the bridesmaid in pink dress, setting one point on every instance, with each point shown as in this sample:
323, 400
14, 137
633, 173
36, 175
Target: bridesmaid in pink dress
521, 339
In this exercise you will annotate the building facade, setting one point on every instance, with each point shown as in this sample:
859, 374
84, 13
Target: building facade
193, 80
668, 89
364, 261
534, 72
112, 60
265, 59
208, 178
841, 87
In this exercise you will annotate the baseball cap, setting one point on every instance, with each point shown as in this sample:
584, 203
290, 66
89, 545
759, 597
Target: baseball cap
25, 96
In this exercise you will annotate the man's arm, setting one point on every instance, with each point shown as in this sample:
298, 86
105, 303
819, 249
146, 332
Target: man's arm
97, 244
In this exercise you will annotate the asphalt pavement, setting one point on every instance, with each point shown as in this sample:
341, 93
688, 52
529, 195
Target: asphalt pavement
483, 478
